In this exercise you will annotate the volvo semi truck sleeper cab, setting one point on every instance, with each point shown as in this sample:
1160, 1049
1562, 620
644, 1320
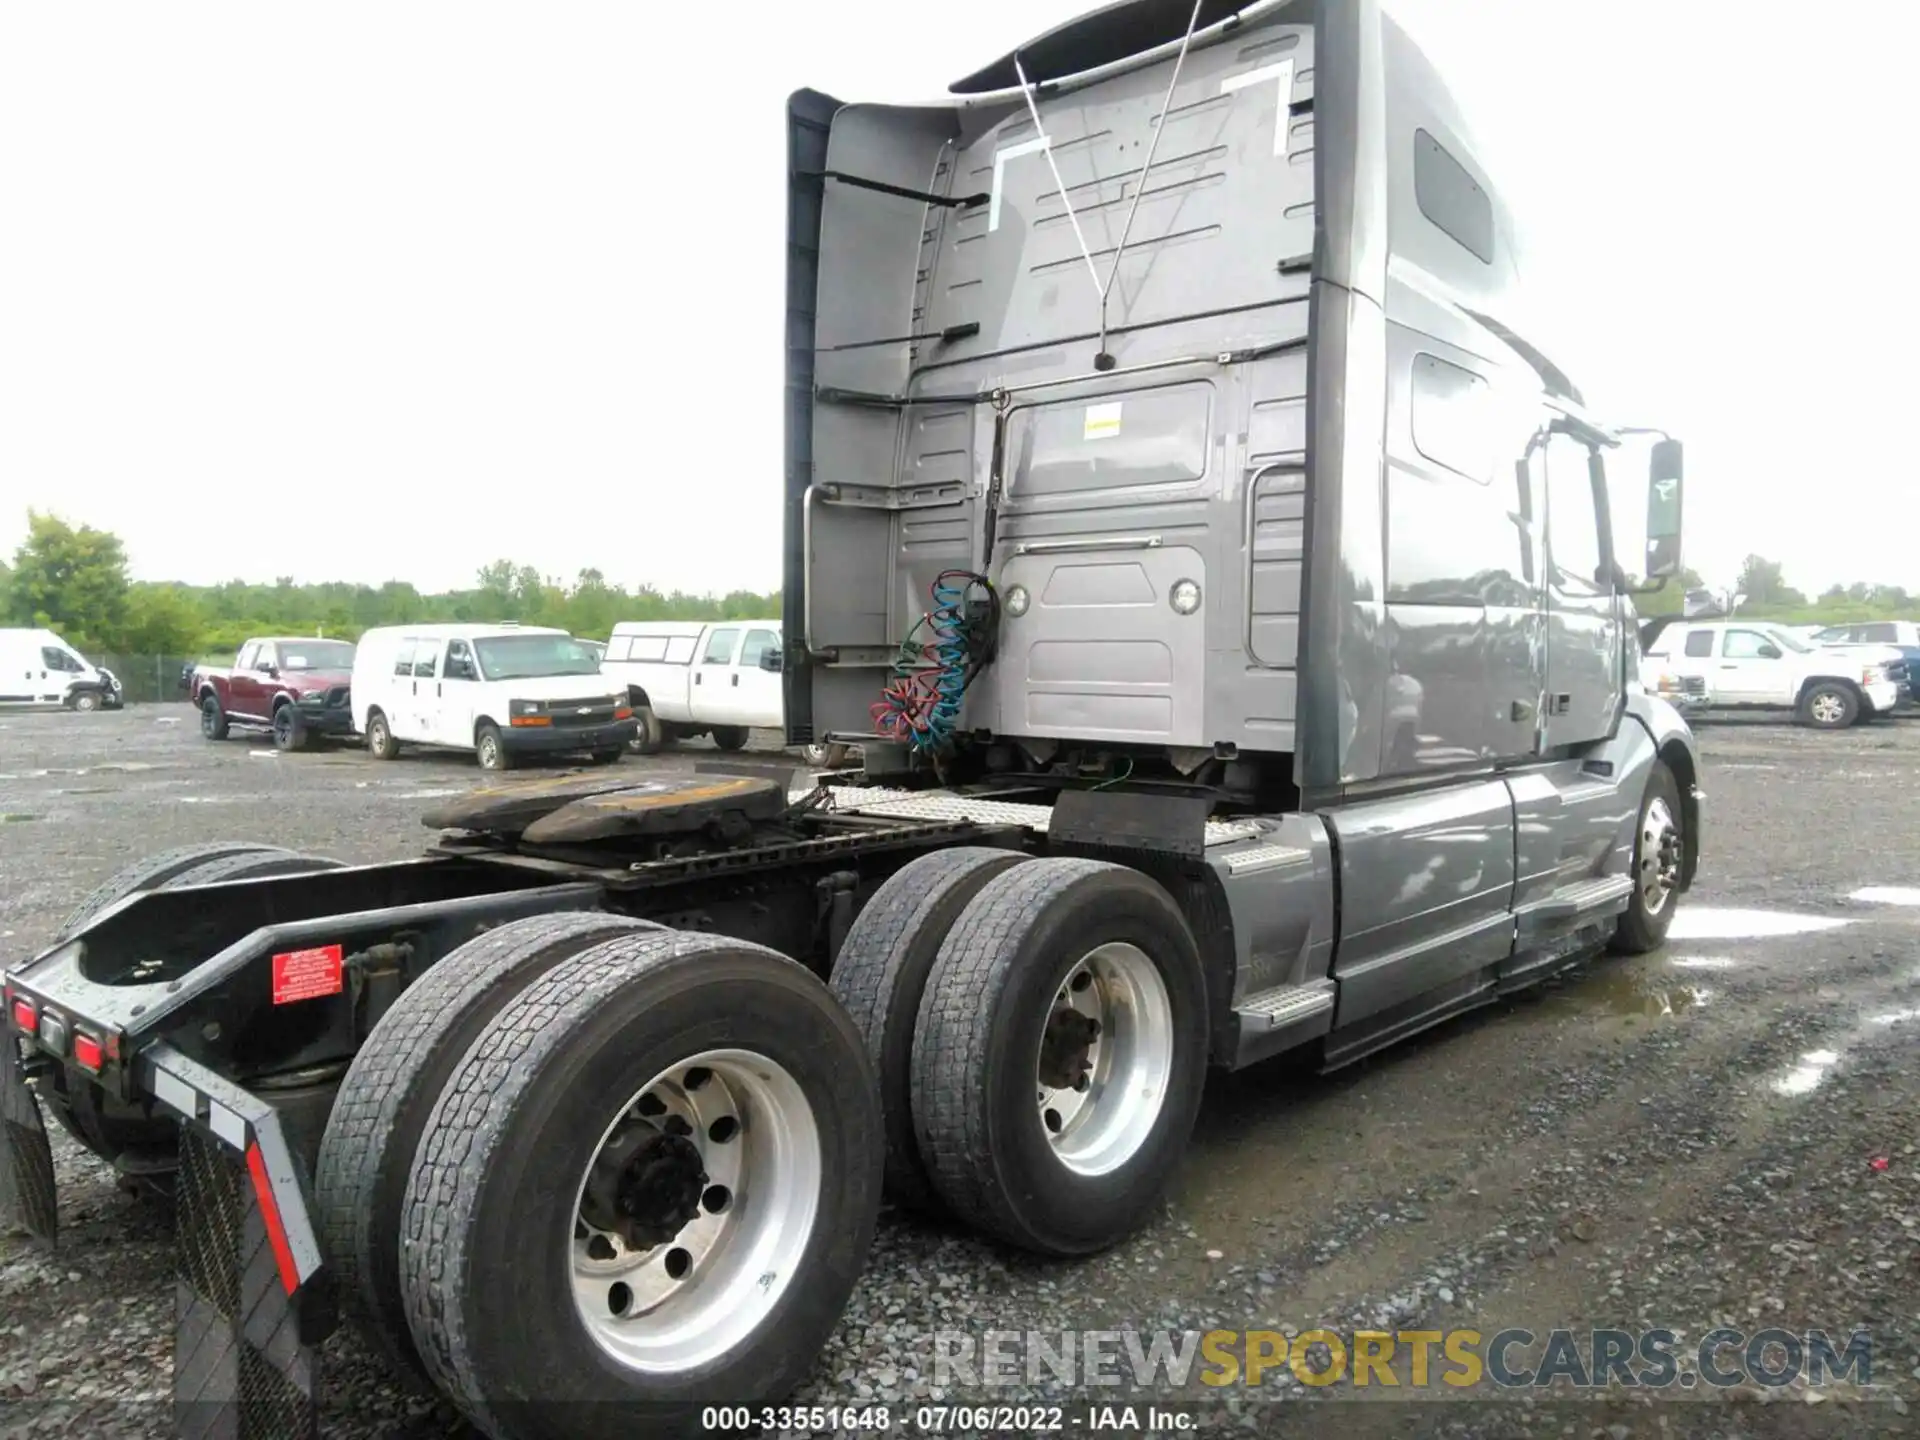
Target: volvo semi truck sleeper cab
1221, 582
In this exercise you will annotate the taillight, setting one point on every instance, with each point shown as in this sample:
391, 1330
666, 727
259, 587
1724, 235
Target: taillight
87, 1052
26, 1016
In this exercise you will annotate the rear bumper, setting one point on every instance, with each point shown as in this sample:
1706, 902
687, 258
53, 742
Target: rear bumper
253, 1299
553, 739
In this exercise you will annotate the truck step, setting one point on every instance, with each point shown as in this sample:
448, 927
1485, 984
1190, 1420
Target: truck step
1588, 898
1284, 1004
884, 803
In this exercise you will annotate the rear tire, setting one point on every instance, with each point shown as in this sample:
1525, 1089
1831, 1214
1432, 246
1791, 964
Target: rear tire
730, 737
881, 974
380, 742
515, 1303
1012, 1146
1658, 844
213, 718
607, 757
828, 756
381, 1111
1829, 705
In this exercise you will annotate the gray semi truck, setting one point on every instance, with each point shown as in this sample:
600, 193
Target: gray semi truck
1221, 583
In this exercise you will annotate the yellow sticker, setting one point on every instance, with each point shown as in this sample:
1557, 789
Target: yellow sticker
1103, 421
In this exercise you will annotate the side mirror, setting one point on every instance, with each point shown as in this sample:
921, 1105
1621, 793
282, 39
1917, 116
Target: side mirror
1769, 651
270, 670
1665, 485
772, 660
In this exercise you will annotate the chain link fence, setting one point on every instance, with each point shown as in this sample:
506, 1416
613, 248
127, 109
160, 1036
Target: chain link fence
150, 679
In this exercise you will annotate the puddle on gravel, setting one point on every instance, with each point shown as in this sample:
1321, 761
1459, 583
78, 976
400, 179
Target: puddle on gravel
1887, 895
1806, 1076
1715, 922
1625, 992
1704, 962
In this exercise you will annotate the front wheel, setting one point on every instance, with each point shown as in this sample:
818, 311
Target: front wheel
288, 732
380, 742
1829, 706
649, 734
825, 756
1658, 849
492, 750
652, 1180
87, 700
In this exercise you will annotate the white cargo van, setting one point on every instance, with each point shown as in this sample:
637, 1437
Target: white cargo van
687, 678
38, 668
503, 691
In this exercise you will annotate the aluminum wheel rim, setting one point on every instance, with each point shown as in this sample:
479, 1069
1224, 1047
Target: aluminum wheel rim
1097, 1120
1827, 708
1659, 835
489, 752
680, 1303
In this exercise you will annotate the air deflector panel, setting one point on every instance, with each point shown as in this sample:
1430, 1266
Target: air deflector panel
1101, 37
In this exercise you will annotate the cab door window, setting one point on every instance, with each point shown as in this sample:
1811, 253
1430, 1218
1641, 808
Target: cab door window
756, 645
1574, 545
1747, 645
460, 664
720, 647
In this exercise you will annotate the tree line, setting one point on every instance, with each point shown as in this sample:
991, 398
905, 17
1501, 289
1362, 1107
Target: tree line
73, 579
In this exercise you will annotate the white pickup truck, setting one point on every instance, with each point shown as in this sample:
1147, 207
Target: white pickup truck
1735, 664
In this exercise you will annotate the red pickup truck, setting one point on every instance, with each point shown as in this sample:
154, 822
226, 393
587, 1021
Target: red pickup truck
294, 687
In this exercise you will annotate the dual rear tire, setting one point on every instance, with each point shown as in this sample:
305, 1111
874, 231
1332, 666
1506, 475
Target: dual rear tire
588, 1174
1038, 1029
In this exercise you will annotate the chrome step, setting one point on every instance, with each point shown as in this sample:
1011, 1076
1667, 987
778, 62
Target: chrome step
1285, 1004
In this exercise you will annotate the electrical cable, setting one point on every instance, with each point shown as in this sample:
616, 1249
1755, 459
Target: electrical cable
921, 702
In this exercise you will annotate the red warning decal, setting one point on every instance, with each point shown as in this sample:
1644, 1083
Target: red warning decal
307, 974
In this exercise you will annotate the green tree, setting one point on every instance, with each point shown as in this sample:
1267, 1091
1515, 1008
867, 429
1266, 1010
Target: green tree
70, 578
161, 619
1764, 583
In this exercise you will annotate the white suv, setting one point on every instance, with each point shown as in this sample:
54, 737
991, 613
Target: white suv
1738, 664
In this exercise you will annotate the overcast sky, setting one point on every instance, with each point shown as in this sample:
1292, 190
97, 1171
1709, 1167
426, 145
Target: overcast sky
376, 290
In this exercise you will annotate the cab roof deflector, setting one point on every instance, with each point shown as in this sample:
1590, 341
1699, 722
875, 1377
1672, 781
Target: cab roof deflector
1101, 37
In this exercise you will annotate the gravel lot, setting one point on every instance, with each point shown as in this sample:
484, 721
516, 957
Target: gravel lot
1726, 1132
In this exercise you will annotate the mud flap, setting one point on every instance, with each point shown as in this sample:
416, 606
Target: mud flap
28, 1200
251, 1301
